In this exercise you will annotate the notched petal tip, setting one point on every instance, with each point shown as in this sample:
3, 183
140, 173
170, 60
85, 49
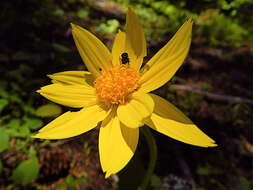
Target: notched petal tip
107, 175
74, 28
35, 136
72, 25
40, 135
50, 76
213, 145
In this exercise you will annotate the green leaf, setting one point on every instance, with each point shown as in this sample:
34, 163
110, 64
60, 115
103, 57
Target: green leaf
16, 99
26, 172
48, 110
13, 127
61, 48
3, 93
110, 27
14, 123
3, 104
58, 12
24, 131
203, 171
21, 144
32, 152
33, 123
82, 13
156, 183
22, 56
4, 140
70, 181
80, 181
208, 170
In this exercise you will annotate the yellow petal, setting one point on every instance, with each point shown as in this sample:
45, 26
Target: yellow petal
161, 68
169, 120
64, 118
135, 40
117, 144
75, 96
94, 53
133, 112
118, 47
73, 77
73, 123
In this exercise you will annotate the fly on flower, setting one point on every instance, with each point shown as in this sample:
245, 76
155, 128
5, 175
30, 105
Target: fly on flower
124, 58
118, 95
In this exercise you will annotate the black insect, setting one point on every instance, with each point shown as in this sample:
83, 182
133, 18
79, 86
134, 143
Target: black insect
124, 58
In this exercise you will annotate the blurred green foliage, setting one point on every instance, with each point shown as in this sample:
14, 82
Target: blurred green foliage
26, 172
18, 121
48, 110
71, 183
219, 22
4, 140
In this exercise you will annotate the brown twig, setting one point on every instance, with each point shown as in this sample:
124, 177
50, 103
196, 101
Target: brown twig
107, 7
243, 90
213, 96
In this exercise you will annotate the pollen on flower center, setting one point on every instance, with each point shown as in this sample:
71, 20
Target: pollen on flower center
114, 85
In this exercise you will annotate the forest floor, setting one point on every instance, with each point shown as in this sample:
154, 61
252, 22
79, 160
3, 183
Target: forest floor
214, 88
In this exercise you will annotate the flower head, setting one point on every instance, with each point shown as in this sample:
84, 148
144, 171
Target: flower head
114, 85
116, 92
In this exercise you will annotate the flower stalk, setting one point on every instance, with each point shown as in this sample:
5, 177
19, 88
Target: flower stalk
152, 157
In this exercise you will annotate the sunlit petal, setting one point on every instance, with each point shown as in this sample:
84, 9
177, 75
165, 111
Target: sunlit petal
133, 112
73, 123
161, 68
72, 78
118, 47
75, 96
135, 40
117, 144
93, 52
169, 120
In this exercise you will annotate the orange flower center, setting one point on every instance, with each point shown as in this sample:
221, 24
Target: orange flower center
114, 85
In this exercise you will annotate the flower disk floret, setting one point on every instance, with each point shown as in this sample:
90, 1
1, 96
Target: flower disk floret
114, 85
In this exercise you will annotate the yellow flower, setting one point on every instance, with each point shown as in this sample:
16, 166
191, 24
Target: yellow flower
116, 92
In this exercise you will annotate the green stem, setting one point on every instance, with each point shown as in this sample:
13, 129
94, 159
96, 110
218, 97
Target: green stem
152, 154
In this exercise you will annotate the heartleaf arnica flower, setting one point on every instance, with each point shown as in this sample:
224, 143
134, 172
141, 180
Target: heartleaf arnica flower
114, 93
